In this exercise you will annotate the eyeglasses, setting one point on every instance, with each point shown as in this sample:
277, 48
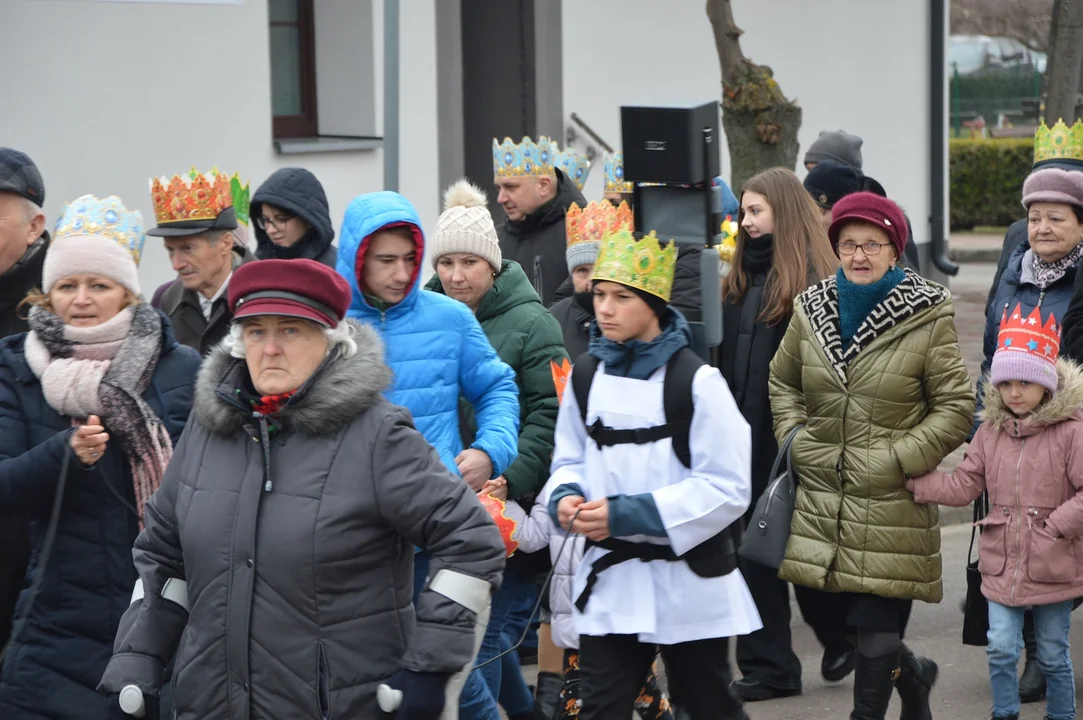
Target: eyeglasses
870, 249
263, 222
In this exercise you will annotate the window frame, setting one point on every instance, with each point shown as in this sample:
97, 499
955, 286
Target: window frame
307, 123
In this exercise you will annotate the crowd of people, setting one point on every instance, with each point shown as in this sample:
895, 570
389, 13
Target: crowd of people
301, 481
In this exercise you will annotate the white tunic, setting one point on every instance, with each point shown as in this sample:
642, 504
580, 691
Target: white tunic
662, 602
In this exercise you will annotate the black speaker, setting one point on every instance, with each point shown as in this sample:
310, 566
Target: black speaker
666, 145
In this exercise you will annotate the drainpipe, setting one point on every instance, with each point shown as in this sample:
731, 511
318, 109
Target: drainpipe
391, 95
938, 37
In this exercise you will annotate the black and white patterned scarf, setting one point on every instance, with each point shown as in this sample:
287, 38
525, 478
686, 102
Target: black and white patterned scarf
1047, 273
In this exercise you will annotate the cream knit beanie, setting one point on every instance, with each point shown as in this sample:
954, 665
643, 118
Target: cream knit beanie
465, 226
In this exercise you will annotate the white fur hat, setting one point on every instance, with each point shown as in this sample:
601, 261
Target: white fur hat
465, 226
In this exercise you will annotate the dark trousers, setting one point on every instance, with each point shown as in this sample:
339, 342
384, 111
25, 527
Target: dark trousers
767, 655
612, 668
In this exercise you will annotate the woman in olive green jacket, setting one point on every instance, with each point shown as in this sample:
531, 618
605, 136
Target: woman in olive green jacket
870, 368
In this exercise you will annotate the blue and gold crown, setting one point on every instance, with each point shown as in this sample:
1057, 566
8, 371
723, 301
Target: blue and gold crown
109, 218
524, 159
575, 167
614, 174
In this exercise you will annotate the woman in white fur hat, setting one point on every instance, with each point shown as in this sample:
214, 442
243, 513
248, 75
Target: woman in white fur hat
466, 257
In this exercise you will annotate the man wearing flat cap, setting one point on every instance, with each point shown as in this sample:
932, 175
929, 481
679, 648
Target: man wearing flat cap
23, 242
196, 216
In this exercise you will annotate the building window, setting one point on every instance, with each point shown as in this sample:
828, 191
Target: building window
293, 68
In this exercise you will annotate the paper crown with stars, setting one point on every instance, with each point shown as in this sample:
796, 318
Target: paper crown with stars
190, 204
575, 167
1059, 143
641, 264
614, 174
524, 159
1027, 349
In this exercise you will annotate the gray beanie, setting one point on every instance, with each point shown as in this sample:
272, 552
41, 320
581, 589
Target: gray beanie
840, 146
581, 253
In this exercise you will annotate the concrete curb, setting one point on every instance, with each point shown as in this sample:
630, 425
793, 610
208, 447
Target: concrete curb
956, 516
974, 255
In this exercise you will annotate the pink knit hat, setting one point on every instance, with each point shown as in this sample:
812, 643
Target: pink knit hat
1053, 185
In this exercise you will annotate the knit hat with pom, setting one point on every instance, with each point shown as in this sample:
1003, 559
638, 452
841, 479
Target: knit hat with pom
465, 226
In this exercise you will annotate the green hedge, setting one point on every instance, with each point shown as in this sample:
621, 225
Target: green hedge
987, 181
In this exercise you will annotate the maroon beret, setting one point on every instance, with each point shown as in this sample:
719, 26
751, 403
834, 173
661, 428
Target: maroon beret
871, 208
294, 288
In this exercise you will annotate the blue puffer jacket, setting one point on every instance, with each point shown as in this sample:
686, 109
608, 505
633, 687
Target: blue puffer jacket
434, 345
1013, 290
57, 661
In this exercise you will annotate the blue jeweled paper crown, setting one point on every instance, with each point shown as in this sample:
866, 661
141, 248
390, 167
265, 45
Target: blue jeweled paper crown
107, 217
575, 167
614, 174
524, 159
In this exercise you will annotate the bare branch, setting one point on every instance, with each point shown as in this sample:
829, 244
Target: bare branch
727, 39
1024, 20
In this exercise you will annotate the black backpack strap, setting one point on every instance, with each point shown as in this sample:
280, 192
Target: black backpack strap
677, 399
582, 378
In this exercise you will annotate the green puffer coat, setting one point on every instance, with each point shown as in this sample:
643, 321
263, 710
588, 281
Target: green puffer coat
526, 337
892, 405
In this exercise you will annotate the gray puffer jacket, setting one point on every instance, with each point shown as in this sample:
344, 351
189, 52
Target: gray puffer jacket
297, 547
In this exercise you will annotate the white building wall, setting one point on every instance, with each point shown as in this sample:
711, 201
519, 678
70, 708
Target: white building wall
104, 95
858, 65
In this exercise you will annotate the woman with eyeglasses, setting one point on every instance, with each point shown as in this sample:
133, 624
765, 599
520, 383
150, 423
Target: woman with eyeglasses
292, 218
871, 372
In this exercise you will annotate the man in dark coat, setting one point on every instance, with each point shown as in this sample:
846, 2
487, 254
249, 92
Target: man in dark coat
535, 196
293, 219
201, 244
23, 242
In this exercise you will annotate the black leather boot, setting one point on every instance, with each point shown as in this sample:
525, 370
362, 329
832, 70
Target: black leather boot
547, 696
874, 680
1005, 717
1032, 684
917, 675
837, 662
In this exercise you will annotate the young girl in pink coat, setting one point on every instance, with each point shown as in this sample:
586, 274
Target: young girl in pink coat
1028, 454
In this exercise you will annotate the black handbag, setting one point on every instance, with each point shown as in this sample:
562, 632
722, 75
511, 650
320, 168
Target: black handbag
768, 532
976, 607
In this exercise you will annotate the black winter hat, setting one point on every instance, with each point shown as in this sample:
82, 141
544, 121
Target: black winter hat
837, 145
19, 175
831, 181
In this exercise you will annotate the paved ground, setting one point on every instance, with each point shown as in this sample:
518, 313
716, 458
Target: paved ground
962, 693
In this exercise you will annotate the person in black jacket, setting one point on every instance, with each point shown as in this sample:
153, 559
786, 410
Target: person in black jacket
535, 196
781, 249
23, 244
293, 219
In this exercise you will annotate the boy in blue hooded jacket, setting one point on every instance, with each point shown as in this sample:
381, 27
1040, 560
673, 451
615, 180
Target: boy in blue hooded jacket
437, 352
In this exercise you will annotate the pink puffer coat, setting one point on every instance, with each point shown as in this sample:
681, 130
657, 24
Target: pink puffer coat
1031, 550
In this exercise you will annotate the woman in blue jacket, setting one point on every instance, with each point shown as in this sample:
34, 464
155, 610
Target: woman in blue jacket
92, 400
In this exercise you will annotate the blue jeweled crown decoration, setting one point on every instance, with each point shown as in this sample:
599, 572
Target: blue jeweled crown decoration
107, 217
575, 167
524, 159
614, 174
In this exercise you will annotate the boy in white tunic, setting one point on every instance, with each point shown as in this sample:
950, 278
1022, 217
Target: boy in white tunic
656, 498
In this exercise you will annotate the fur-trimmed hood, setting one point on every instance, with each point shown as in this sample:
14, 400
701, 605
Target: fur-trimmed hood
339, 390
1067, 402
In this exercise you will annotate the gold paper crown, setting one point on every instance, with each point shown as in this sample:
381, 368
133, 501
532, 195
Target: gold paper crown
643, 264
524, 159
596, 221
1058, 142
185, 198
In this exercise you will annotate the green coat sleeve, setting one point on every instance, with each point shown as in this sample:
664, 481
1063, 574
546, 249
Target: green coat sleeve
544, 342
950, 398
785, 386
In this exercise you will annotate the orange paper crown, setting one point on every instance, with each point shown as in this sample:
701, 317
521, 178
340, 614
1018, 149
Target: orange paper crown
504, 524
189, 197
1028, 335
597, 220
561, 373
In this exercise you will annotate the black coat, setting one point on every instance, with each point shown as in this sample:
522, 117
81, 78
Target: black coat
1016, 236
57, 661
538, 241
298, 192
575, 314
14, 286
748, 346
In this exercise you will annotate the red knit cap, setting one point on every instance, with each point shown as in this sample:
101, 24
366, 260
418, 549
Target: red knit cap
873, 209
294, 288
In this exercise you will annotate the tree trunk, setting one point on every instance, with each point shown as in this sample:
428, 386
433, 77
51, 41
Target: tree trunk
1065, 63
761, 124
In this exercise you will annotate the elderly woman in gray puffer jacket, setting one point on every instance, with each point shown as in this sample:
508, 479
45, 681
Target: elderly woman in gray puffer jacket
278, 554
